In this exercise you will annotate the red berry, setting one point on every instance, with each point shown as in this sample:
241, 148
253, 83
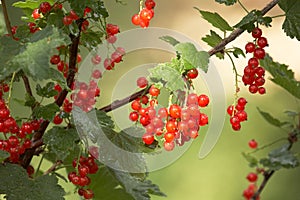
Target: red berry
145, 14
169, 137
45, 7
145, 120
259, 53
96, 59
203, 119
73, 15
252, 177
253, 62
148, 138
250, 47
116, 57
230, 110
87, 10
108, 64
192, 73
135, 19
67, 20
30, 170
252, 144
35, 14
136, 105
256, 32
154, 91
203, 100
242, 101
134, 116
242, 115
150, 4
142, 82
55, 59
88, 194
262, 90
144, 23
112, 29
175, 111
248, 193
57, 120
96, 74
253, 89
262, 42
169, 146
83, 170
236, 127
171, 127
163, 112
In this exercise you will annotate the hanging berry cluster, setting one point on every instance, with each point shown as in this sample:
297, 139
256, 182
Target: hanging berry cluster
173, 125
237, 113
253, 73
80, 178
17, 137
143, 18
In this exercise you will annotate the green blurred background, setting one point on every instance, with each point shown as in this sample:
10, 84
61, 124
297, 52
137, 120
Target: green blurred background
221, 175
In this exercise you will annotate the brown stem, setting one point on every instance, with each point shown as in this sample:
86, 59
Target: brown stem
118, 103
6, 18
218, 48
53, 167
37, 136
236, 33
268, 174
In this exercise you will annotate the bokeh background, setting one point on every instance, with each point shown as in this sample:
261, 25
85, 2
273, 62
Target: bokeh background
221, 175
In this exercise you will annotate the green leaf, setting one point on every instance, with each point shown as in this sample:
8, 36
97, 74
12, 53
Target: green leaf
198, 59
168, 76
112, 184
237, 51
104, 120
33, 58
227, 2
281, 158
8, 49
216, 20
15, 184
213, 39
3, 155
270, 119
292, 20
247, 23
46, 112
282, 76
32, 4
91, 39
169, 40
251, 159
61, 141
46, 91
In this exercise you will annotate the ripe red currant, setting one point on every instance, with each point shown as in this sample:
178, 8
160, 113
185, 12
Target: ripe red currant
256, 32
252, 177
45, 7
154, 91
203, 100
262, 42
252, 144
250, 47
148, 138
192, 73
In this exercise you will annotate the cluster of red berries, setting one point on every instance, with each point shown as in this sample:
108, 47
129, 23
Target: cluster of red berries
17, 137
61, 65
84, 167
253, 73
237, 113
85, 97
115, 57
143, 18
174, 124
252, 188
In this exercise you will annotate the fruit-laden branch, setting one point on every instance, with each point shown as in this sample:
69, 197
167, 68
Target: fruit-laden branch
268, 174
237, 32
37, 136
218, 48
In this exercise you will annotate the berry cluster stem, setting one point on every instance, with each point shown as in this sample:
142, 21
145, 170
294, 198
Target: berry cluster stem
236, 78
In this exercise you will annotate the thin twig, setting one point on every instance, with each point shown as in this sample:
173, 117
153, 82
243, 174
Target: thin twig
53, 167
218, 48
236, 33
6, 18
